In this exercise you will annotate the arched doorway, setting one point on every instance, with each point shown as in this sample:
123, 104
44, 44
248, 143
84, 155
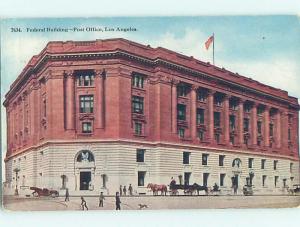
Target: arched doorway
84, 170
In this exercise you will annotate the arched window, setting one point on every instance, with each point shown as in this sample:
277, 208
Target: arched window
85, 156
237, 163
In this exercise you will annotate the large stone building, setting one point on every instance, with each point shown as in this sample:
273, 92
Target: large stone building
94, 115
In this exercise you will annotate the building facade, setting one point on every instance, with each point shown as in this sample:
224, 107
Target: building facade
92, 116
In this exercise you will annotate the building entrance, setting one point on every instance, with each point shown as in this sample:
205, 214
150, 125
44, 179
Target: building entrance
85, 179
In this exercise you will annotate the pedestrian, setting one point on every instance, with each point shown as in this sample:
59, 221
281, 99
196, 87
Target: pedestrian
124, 190
67, 195
83, 204
101, 198
235, 187
118, 201
120, 190
130, 189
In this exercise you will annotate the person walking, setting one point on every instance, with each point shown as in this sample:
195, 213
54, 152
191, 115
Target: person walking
124, 190
118, 201
121, 190
130, 189
83, 204
67, 195
101, 199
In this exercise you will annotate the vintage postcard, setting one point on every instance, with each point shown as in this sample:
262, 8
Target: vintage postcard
146, 113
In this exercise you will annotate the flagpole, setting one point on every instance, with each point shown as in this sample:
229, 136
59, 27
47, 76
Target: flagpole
213, 48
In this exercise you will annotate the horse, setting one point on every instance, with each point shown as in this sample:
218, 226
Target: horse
198, 188
155, 188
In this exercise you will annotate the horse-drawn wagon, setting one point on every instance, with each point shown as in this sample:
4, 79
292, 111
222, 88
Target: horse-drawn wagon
37, 192
187, 189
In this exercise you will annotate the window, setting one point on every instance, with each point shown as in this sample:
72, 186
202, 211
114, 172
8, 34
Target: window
263, 163
222, 179
86, 127
250, 163
275, 164
186, 157
247, 108
202, 94
141, 178
138, 81
246, 124
85, 156
201, 135
221, 160
264, 178
231, 139
218, 100
181, 112
204, 159
276, 181
137, 104
138, 128
289, 134
85, 78
200, 116
291, 167
217, 137
181, 132
232, 122
182, 91
233, 104
205, 179
104, 179
187, 176
258, 142
140, 155
271, 126
260, 111
259, 127
86, 104
245, 140
284, 182
217, 119
44, 107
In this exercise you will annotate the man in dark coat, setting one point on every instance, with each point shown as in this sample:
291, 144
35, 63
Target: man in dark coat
118, 201
101, 199
83, 204
130, 189
67, 195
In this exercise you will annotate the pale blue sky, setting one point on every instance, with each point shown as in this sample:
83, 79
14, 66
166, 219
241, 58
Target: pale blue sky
265, 48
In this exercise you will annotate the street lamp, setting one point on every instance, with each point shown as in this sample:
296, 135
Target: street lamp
16, 170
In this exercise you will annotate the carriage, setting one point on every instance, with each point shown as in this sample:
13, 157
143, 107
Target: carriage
37, 192
187, 189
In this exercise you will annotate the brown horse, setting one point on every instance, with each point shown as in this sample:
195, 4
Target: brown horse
155, 188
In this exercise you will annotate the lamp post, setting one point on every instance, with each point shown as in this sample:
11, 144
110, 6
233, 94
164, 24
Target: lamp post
16, 170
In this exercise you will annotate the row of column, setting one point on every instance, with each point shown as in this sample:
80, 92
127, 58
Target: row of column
71, 99
226, 129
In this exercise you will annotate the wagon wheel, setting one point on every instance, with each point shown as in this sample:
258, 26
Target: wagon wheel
53, 195
35, 194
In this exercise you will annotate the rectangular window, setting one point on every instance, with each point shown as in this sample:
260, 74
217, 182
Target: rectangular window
275, 164
260, 111
250, 163
140, 155
218, 100
233, 104
138, 128
246, 124
232, 122
217, 119
138, 81
86, 103
263, 163
231, 139
222, 179
187, 176
204, 159
85, 78
276, 181
247, 108
259, 123
217, 138
137, 104
141, 178
205, 179
221, 160
200, 116
264, 178
291, 167
86, 127
202, 95
271, 128
181, 132
186, 157
181, 112
201, 135
182, 91
289, 134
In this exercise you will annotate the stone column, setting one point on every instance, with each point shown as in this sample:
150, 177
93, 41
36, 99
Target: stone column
174, 106
99, 99
70, 99
241, 123
278, 129
193, 121
267, 126
211, 116
254, 125
226, 120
